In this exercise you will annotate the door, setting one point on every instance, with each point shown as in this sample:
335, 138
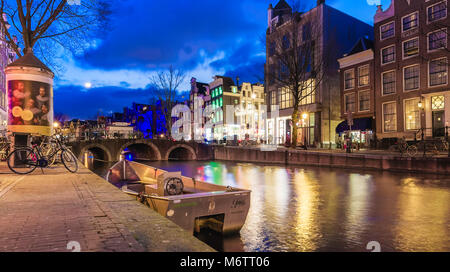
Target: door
438, 124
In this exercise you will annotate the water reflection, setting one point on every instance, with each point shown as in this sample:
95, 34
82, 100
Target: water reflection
323, 209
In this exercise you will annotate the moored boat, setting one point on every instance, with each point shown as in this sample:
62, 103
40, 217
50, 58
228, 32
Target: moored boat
189, 203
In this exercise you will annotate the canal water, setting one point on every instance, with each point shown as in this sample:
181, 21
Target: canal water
328, 209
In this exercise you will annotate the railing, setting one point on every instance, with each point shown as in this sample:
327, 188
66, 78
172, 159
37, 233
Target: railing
433, 140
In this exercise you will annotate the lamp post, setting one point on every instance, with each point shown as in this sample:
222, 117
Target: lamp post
448, 139
421, 109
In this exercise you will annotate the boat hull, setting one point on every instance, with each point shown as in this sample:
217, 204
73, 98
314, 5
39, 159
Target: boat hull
204, 205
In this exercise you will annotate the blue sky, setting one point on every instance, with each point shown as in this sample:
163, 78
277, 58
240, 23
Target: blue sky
202, 37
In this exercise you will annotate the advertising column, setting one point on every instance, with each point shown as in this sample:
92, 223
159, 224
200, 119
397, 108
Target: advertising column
29, 85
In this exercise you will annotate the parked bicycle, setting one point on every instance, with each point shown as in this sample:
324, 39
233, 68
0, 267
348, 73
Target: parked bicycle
4, 148
24, 160
403, 147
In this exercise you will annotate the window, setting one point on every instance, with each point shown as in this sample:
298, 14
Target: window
306, 32
349, 79
364, 101
411, 48
437, 40
410, 21
308, 95
273, 98
286, 42
363, 76
438, 72
388, 86
388, 54
437, 12
350, 102
272, 49
412, 114
411, 77
390, 117
286, 99
438, 102
387, 30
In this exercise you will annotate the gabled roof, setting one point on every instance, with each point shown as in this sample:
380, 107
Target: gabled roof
361, 45
282, 5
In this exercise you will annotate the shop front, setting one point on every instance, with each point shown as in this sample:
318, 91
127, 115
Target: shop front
361, 132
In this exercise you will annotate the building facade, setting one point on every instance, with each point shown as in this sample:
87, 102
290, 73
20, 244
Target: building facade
224, 92
411, 69
7, 56
251, 112
358, 93
320, 109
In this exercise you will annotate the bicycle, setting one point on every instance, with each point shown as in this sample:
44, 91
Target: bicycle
24, 160
403, 147
4, 149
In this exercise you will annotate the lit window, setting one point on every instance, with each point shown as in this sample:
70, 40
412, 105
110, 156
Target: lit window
286, 98
363, 74
308, 95
390, 117
411, 48
412, 114
437, 102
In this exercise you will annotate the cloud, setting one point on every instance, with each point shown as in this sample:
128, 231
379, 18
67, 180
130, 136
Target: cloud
76, 102
154, 34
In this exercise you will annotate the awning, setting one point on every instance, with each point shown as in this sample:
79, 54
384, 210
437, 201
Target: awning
358, 124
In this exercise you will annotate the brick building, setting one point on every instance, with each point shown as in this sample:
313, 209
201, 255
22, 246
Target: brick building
321, 109
358, 92
411, 69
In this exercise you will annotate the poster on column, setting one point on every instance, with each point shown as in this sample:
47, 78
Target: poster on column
30, 107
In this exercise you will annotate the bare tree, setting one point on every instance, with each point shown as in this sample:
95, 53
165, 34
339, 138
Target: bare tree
166, 85
43, 25
297, 65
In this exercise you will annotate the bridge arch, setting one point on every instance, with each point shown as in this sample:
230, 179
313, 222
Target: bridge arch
99, 151
139, 144
181, 152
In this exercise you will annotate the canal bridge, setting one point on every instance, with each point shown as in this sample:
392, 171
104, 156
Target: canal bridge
109, 150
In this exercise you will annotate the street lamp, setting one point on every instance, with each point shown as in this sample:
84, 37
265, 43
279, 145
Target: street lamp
421, 109
448, 139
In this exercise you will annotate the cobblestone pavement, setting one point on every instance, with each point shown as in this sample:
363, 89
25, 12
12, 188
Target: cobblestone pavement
44, 212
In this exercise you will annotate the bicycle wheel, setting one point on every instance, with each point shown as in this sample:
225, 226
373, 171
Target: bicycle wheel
412, 150
22, 161
47, 153
69, 160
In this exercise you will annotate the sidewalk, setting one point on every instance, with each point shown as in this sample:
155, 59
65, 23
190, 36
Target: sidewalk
44, 212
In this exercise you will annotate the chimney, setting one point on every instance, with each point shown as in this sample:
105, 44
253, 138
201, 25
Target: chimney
269, 16
320, 2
